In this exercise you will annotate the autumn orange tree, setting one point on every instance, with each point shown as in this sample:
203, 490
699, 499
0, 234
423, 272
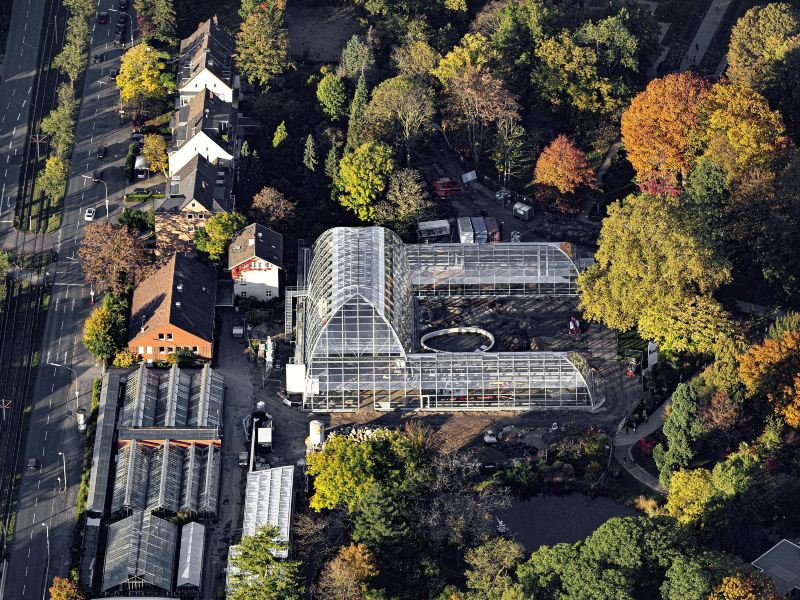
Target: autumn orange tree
657, 128
772, 369
64, 589
746, 586
563, 166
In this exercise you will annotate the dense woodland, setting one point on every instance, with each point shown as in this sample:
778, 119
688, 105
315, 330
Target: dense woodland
703, 223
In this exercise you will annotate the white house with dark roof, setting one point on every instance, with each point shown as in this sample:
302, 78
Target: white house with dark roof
255, 258
206, 126
206, 63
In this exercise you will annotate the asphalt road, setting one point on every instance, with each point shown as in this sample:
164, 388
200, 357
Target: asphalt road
45, 517
18, 73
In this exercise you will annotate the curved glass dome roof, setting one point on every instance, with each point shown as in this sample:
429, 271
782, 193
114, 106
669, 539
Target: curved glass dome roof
359, 298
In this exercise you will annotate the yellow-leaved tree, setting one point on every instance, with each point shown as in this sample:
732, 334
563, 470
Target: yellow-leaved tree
140, 75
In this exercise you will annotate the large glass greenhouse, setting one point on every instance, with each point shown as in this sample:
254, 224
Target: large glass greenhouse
356, 338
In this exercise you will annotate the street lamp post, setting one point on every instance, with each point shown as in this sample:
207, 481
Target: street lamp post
105, 185
77, 395
47, 568
64, 462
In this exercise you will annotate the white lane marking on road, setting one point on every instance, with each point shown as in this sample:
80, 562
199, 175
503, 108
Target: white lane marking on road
36, 499
62, 323
45, 435
48, 352
19, 114
52, 387
23, 102
38, 483
42, 450
34, 517
54, 371
30, 88
14, 131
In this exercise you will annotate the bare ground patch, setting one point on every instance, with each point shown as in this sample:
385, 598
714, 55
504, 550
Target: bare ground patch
318, 34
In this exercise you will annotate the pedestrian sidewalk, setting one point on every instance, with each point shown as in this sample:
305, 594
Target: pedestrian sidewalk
623, 456
705, 33
631, 437
623, 442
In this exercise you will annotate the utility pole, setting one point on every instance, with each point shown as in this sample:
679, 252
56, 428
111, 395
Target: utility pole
37, 139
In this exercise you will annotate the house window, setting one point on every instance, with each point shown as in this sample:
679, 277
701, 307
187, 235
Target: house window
171, 349
190, 216
269, 293
191, 228
169, 337
141, 350
194, 349
243, 294
202, 216
161, 349
161, 336
149, 349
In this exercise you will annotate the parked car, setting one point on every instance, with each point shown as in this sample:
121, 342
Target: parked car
101, 152
33, 464
138, 138
97, 58
122, 27
89, 214
119, 39
97, 175
102, 18
112, 74
124, 4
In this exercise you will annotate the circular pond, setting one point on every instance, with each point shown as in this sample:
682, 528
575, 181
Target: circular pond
458, 339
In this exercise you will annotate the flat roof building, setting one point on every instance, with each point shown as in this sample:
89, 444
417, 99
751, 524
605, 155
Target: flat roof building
781, 563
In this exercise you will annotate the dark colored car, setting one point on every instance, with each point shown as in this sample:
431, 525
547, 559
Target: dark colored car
122, 27
119, 39
97, 176
102, 18
101, 152
112, 74
124, 4
97, 58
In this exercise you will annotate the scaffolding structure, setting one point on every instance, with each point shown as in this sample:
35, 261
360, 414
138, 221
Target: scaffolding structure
356, 335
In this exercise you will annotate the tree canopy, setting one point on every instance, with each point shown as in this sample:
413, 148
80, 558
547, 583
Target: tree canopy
139, 74
658, 124
654, 273
213, 239
762, 38
112, 258
257, 574
363, 177
262, 44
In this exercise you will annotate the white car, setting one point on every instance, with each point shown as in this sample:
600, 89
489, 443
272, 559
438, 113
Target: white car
89, 214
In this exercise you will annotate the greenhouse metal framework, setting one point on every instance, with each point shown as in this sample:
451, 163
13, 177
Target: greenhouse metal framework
140, 554
356, 334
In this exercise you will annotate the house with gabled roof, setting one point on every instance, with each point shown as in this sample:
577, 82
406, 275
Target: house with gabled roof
255, 258
191, 196
173, 310
205, 126
206, 63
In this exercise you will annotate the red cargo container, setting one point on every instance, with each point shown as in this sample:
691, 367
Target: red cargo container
492, 230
